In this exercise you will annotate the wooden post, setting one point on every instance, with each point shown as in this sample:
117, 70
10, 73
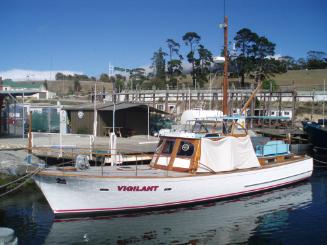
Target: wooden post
154, 99
30, 133
166, 102
269, 104
312, 104
294, 105
279, 103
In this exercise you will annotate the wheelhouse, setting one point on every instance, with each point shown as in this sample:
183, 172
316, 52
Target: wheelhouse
177, 154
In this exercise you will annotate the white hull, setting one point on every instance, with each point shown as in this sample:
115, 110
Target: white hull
109, 194
187, 224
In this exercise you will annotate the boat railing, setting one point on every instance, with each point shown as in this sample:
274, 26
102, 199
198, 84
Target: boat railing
100, 157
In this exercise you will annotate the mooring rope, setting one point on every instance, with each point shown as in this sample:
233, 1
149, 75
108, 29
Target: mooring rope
321, 162
16, 180
27, 176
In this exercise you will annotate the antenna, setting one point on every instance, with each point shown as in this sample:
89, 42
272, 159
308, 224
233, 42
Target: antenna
224, 8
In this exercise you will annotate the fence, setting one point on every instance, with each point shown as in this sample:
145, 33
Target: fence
59, 144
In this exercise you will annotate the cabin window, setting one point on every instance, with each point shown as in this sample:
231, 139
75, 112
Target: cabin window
168, 147
186, 149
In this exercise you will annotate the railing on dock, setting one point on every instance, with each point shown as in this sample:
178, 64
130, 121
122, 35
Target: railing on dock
54, 141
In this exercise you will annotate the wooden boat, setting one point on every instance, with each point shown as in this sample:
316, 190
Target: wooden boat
186, 168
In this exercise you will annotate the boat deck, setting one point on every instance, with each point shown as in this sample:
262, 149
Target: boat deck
143, 171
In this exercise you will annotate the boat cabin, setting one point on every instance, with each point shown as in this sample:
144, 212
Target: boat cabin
194, 153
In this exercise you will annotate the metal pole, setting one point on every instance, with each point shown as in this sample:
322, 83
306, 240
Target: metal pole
189, 99
323, 105
148, 121
95, 118
113, 118
23, 118
30, 133
225, 88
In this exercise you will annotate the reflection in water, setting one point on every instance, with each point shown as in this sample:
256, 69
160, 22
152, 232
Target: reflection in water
28, 214
231, 221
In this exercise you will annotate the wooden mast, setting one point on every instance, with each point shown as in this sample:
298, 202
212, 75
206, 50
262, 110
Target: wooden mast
225, 85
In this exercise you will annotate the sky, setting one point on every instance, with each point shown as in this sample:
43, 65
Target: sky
86, 35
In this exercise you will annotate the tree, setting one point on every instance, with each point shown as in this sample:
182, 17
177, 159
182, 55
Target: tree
315, 60
176, 70
269, 84
159, 64
45, 84
137, 77
315, 55
174, 65
59, 76
253, 53
120, 82
245, 41
191, 39
301, 64
104, 78
202, 65
77, 86
288, 62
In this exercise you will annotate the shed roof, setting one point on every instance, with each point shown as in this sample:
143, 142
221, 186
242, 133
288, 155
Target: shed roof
110, 107
13, 84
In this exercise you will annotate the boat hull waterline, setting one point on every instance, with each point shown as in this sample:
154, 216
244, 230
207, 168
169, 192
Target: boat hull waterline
80, 194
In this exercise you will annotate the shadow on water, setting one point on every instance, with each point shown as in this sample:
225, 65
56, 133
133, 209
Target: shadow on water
268, 217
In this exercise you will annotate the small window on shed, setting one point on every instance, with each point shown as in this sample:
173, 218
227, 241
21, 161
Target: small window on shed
186, 149
168, 147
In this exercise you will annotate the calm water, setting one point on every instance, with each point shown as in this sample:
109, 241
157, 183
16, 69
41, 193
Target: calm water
293, 215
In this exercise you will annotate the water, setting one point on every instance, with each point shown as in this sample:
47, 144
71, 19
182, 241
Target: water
293, 215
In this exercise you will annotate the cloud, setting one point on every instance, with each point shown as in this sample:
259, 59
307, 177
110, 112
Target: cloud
25, 75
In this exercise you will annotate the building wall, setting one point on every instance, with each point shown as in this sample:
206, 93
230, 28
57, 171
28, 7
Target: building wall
82, 125
133, 121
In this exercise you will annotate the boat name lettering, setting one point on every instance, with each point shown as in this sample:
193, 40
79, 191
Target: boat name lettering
137, 188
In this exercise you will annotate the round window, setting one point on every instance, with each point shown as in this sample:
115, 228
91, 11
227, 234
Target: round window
185, 147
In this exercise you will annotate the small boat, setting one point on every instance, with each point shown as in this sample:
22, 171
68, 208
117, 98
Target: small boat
186, 168
317, 134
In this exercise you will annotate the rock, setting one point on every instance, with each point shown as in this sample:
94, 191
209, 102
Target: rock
16, 162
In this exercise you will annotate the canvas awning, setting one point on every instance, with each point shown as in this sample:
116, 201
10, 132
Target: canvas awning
227, 154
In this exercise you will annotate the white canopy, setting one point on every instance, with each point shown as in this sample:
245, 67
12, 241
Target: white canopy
227, 154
